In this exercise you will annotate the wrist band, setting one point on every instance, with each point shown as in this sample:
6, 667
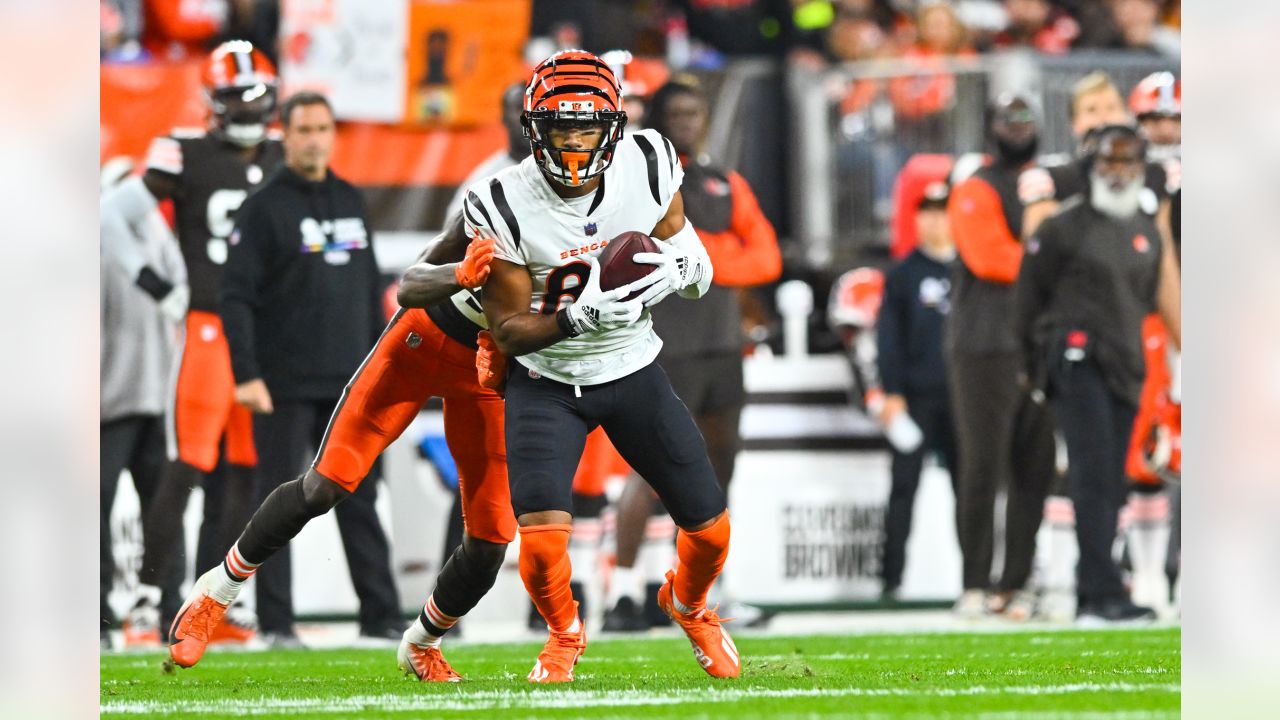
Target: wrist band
567, 326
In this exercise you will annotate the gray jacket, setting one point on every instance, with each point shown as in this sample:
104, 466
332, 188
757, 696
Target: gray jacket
138, 343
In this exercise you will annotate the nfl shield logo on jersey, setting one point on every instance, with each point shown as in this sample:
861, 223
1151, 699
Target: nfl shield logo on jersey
590, 229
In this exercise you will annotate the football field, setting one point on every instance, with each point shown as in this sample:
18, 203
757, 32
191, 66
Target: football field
1024, 674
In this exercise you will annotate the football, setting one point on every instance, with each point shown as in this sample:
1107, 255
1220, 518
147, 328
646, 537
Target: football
617, 266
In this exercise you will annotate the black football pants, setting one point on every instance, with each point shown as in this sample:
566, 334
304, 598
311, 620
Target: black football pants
285, 440
546, 428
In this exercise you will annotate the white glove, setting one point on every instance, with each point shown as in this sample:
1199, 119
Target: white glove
679, 269
174, 305
597, 310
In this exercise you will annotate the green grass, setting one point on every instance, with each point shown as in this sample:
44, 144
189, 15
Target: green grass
1129, 673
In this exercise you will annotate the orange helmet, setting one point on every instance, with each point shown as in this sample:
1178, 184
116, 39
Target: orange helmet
240, 85
855, 298
573, 88
1159, 94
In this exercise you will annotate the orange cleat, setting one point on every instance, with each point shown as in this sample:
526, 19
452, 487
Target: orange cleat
425, 663
555, 662
711, 643
196, 623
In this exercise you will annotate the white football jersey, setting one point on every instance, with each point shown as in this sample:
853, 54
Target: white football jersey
538, 229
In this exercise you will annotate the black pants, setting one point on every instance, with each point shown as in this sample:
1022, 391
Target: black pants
1096, 424
285, 441
136, 444
547, 425
1004, 440
932, 413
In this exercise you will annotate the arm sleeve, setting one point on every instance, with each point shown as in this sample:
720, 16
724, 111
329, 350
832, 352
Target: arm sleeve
747, 254
983, 239
249, 261
891, 349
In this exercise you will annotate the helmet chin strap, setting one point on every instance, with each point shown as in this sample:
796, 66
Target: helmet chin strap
245, 135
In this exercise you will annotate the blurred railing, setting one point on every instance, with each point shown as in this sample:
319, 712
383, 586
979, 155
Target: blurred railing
854, 126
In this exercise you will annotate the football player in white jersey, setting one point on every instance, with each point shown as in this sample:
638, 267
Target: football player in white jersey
584, 357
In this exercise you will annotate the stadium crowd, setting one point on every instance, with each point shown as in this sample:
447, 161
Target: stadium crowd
963, 348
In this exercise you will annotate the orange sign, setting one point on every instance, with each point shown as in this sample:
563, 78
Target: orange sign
461, 56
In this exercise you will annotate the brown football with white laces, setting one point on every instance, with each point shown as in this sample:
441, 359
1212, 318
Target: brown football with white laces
617, 263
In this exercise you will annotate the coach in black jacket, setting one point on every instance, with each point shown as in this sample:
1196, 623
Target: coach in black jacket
1090, 275
300, 302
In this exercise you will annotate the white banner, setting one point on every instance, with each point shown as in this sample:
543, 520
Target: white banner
351, 50
808, 528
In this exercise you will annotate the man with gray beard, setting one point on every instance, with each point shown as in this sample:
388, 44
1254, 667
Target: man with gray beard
1090, 275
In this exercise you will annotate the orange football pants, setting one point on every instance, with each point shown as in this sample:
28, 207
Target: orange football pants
204, 407
413, 361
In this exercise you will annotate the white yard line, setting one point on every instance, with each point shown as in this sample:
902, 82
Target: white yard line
487, 700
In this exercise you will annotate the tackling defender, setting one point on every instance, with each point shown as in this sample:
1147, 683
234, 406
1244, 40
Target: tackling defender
422, 353
585, 357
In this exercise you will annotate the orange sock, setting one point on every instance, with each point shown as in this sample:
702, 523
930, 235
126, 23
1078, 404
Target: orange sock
544, 567
701, 557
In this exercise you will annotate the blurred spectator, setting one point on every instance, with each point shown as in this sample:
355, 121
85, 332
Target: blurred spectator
1094, 17
177, 29
867, 157
138, 343
1090, 276
1157, 103
1005, 439
1039, 25
1095, 104
301, 258
913, 373
1138, 25
1095, 101
703, 341
856, 36
920, 101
